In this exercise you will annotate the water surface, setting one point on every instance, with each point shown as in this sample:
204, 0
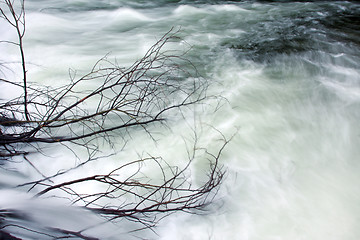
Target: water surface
290, 74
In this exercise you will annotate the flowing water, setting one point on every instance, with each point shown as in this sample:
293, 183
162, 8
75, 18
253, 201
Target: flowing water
290, 72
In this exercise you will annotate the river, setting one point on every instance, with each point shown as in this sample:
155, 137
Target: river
290, 74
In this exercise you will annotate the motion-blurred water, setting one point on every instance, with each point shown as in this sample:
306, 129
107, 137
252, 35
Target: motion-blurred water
290, 72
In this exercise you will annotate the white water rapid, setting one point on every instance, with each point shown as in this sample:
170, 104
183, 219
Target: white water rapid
290, 74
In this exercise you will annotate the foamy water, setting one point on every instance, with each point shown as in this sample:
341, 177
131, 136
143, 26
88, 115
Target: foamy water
290, 75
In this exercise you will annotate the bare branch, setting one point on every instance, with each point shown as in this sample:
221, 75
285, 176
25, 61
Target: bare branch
120, 99
17, 21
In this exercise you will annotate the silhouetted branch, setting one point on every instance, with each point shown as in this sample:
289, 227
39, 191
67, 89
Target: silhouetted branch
103, 105
16, 19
